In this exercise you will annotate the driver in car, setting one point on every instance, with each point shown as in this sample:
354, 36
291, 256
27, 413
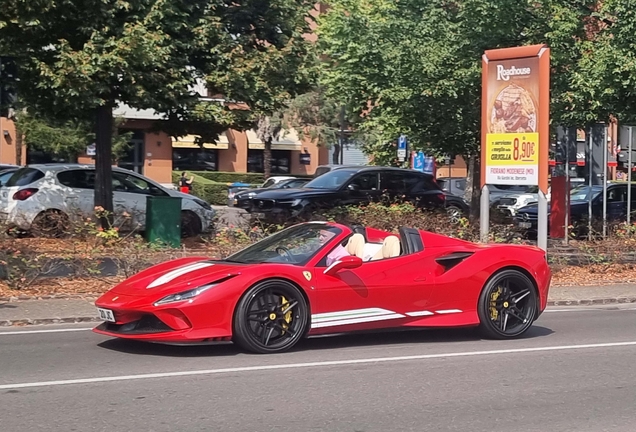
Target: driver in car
335, 254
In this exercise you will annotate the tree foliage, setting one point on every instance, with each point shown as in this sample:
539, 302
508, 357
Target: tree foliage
413, 67
65, 139
77, 59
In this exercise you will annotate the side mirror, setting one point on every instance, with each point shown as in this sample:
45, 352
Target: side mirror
353, 187
346, 262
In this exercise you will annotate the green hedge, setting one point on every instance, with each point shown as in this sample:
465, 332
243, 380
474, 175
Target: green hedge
212, 192
230, 177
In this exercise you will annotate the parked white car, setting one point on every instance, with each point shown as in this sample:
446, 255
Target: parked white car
35, 195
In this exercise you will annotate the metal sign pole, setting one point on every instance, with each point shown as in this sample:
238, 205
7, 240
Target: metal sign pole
629, 176
604, 182
567, 184
484, 214
589, 180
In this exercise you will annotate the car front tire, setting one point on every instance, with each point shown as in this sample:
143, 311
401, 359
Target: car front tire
271, 317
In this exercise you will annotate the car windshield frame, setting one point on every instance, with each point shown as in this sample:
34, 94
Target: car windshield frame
331, 180
306, 236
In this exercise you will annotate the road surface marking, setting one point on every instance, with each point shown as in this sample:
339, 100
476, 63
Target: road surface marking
311, 365
21, 332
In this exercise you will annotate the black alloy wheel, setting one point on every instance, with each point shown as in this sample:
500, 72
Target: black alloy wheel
507, 305
271, 317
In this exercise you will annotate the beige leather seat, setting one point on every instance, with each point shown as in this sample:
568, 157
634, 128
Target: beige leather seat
390, 248
355, 245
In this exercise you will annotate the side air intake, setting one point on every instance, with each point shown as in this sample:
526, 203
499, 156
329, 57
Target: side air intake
451, 260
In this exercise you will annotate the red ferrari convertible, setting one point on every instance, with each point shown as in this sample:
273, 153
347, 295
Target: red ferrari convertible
317, 278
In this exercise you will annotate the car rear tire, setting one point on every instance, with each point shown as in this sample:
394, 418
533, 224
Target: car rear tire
271, 317
507, 305
50, 224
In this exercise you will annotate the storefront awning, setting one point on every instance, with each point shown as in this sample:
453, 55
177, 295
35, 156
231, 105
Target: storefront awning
188, 141
289, 141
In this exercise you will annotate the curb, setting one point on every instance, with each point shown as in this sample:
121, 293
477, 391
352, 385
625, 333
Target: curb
87, 296
73, 320
598, 301
27, 321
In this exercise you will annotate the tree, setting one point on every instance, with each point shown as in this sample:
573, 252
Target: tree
414, 67
77, 59
605, 78
321, 119
267, 79
65, 139
268, 128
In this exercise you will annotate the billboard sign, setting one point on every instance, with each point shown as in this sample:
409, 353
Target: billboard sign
515, 120
512, 121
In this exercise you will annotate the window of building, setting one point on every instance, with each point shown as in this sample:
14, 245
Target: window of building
281, 161
134, 157
195, 159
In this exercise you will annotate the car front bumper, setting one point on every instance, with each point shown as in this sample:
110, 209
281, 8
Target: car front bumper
137, 318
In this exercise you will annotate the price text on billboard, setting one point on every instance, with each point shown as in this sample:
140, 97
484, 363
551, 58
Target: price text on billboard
513, 158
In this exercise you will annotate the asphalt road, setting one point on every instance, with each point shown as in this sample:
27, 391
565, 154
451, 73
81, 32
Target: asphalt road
575, 371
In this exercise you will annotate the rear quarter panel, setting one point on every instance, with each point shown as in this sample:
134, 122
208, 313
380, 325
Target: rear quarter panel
460, 287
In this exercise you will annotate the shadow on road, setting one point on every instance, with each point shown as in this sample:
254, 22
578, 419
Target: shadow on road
348, 340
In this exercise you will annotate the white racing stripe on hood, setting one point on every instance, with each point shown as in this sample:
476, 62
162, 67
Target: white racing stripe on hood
178, 272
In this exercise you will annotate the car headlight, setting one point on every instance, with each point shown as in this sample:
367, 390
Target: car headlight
185, 295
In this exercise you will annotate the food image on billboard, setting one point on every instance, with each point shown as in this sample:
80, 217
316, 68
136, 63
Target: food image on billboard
512, 129
513, 110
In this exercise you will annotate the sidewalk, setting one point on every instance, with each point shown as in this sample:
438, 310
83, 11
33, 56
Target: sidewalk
56, 311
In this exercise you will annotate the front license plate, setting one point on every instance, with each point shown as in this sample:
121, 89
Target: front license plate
106, 314
525, 225
259, 215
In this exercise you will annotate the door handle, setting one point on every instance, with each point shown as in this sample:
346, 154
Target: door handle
419, 278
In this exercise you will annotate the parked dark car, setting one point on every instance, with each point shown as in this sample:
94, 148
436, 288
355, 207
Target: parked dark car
456, 207
349, 186
527, 217
243, 199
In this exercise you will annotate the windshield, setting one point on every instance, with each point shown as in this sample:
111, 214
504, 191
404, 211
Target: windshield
294, 245
582, 193
332, 180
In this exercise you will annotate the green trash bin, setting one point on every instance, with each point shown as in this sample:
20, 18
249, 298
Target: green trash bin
163, 220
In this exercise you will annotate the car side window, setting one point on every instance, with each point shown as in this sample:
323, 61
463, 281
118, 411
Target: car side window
77, 179
419, 183
618, 194
365, 182
128, 183
393, 182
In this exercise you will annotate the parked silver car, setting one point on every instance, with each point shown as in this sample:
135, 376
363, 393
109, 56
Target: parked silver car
39, 193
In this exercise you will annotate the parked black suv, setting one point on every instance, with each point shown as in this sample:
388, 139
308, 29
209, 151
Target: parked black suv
347, 186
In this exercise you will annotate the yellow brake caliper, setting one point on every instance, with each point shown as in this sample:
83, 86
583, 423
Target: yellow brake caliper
494, 313
288, 316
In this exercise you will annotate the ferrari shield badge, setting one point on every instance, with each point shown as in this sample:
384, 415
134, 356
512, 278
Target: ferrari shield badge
307, 275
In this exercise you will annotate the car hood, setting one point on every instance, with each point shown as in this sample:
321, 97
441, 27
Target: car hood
176, 276
284, 194
534, 207
248, 191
